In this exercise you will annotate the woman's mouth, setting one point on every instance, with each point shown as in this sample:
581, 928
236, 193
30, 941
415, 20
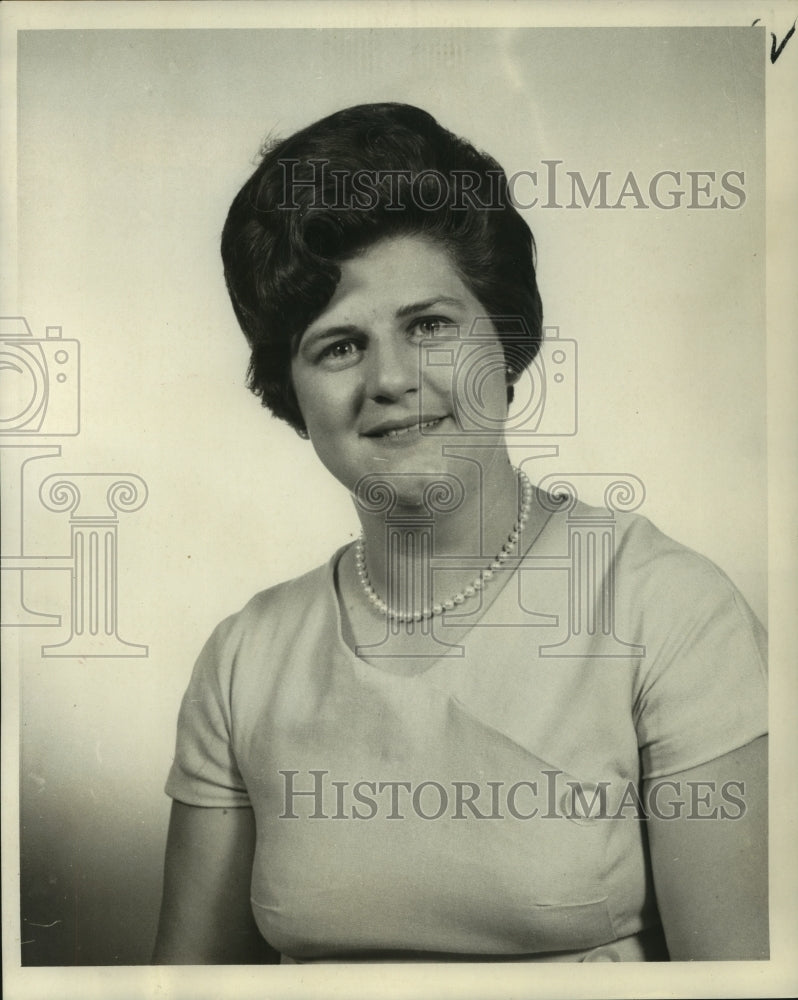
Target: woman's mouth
416, 429
413, 428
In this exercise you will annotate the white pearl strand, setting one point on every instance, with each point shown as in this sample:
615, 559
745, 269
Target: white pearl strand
472, 589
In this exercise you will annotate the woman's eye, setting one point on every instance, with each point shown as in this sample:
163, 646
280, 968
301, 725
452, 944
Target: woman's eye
340, 350
433, 326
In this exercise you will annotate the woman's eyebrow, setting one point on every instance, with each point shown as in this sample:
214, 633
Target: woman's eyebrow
311, 337
438, 300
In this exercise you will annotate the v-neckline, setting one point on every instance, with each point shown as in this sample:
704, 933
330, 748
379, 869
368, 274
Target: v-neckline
374, 663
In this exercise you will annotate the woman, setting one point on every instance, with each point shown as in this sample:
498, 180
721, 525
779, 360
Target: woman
430, 748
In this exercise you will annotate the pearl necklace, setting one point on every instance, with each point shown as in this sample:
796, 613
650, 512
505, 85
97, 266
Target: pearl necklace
473, 588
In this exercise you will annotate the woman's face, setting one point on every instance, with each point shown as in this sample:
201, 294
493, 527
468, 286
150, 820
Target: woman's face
372, 397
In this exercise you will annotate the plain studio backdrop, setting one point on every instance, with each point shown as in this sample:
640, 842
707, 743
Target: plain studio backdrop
131, 146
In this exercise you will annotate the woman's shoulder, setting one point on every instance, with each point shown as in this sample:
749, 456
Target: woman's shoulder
283, 606
248, 653
292, 594
652, 577
641, 551
665, 569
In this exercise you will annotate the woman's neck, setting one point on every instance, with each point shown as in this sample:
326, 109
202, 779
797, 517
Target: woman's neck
470, 516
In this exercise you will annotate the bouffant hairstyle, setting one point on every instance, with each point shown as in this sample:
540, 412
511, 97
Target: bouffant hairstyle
339, 186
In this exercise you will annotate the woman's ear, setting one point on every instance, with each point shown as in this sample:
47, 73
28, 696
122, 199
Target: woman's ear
511, 376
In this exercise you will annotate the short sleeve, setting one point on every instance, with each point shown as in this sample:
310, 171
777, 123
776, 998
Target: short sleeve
703, 687
205, 771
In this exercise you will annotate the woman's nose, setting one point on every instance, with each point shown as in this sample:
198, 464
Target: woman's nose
392, 370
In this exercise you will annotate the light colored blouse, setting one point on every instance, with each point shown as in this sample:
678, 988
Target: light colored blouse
489, 805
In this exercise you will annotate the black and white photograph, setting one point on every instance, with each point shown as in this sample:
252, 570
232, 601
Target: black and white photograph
398, 547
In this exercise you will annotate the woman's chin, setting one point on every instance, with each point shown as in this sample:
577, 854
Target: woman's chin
412, 487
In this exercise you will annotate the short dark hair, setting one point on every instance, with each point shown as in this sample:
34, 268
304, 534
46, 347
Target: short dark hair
342, 184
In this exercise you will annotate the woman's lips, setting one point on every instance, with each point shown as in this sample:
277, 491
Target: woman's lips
399, 434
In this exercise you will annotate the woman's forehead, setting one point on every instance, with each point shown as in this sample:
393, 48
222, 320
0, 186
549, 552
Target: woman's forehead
395, 274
